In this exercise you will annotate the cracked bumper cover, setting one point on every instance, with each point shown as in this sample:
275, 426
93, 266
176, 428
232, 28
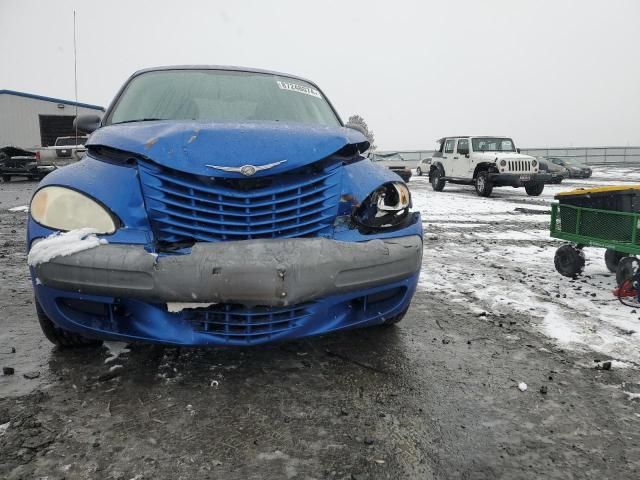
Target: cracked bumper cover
254, 272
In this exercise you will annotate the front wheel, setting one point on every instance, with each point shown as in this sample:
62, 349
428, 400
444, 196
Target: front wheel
612, 259
627, 268
534, 190
437, 182
483, 184
569, 261
59, 336
419, 171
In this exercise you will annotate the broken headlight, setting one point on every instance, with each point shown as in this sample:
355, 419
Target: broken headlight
386, 207
61, 208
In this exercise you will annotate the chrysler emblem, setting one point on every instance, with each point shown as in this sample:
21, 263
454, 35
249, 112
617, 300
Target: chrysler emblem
247, 170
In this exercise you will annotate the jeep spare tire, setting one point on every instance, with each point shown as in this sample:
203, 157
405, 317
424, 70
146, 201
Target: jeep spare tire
483, 184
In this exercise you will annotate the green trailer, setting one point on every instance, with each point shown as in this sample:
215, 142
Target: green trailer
613, 226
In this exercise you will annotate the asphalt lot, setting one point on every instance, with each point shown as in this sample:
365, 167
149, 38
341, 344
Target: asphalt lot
435, 397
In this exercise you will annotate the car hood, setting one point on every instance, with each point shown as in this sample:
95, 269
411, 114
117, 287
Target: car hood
502, 155
190, 146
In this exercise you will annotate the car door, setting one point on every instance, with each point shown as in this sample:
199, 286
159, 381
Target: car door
462, 165
447, 157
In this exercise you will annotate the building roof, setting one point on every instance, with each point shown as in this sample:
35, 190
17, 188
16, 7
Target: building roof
50, 99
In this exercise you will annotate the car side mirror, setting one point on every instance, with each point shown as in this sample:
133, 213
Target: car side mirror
518, 150
88, 123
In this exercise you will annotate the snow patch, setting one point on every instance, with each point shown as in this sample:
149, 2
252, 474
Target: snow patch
21, 208
115, 349
177, 307
522, 387
63, 245
3, 428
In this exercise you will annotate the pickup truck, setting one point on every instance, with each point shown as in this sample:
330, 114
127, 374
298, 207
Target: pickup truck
65, 150
485, 162
17, 162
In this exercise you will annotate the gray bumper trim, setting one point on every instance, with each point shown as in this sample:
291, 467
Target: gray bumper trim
253, 272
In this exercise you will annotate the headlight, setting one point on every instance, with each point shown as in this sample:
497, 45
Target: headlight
534, 163
61, 208
503, 163
386, 207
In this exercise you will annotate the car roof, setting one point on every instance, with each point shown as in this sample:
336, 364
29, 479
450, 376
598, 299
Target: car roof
472, 136
229, 68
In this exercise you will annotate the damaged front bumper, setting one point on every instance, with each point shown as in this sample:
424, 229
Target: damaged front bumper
250, 291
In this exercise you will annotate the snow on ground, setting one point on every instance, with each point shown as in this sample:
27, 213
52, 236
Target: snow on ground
21, 208
495, 254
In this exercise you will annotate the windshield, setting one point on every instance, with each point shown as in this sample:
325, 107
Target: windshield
486, 144
219, 95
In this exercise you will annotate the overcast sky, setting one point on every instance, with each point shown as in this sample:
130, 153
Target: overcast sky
547, 73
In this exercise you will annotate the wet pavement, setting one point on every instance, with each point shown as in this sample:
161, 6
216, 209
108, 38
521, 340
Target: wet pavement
434, 397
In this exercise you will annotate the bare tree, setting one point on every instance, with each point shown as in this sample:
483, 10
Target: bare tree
359, 123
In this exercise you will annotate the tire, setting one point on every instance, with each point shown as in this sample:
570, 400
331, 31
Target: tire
60, 337
569, 261
389, 322
483, 184
627, 268
6, 178
419, 171
612, 259
534, 190
437, 182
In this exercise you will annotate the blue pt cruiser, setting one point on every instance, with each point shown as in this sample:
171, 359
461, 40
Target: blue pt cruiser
220, 206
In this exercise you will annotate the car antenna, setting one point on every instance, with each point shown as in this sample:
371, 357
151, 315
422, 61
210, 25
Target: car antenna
75, 74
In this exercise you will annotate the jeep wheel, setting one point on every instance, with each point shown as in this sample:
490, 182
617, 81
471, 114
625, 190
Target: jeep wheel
627, 268
419, 171
569, 261
612, 259
483, 184
437, 182
534, 190
59, 336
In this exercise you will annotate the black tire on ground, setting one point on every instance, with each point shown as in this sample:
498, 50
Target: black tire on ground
569, 261
612, 259
627, 268
534, 190
419, 171
437, 182
58, 336
394, 320
6, 178
483, 184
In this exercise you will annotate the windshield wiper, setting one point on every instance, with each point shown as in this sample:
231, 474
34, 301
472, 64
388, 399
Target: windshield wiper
139, 120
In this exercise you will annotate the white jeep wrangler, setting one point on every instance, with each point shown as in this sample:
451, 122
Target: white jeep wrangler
485, 162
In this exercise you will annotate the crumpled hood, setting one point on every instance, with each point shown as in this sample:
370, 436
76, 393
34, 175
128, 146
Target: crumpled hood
190, 146
502, 155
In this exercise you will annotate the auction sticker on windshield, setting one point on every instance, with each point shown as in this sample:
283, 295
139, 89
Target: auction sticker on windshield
299, 88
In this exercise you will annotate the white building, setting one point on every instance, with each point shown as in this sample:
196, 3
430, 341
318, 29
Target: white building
29, 121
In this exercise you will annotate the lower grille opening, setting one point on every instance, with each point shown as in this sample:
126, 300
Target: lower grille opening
248, 324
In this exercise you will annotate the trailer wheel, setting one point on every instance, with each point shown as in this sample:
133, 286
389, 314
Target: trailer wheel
612, 259
627, 268
569, 261
6, 178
